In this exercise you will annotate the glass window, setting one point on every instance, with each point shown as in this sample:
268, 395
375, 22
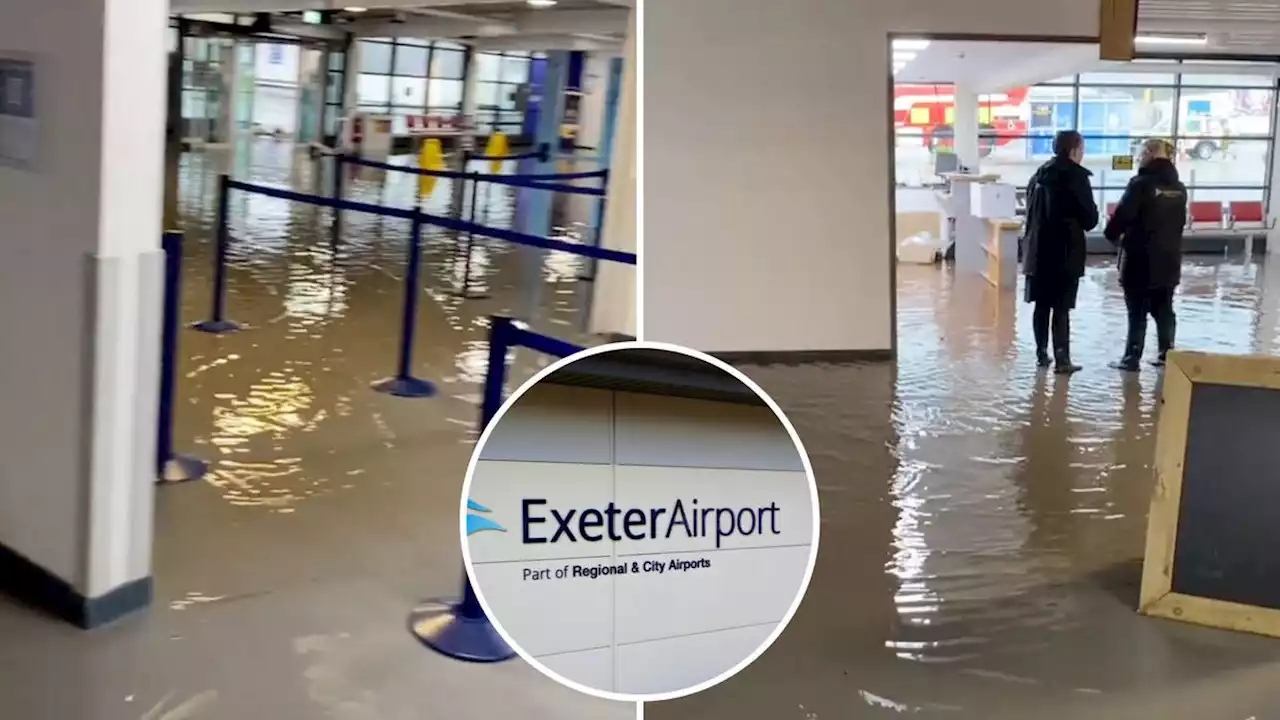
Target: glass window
445, 93
373, 89
1066, 80
487, 94
1206, 162
515, 70
331, 120
445, 45
1264, 81
337, 60
447, 63
488, 66
333, 89
1107, 78
409, 92
411, 60
1118, 113
375, 57
1225, 112
507, 97
414, 41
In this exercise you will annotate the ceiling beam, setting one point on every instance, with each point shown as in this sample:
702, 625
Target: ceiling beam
1116, 27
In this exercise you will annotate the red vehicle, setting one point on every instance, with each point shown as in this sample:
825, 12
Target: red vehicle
930, 111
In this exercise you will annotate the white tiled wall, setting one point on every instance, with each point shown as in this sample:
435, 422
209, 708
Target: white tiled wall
643, 633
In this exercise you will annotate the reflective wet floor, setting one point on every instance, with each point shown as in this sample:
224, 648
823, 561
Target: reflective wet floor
284, 579
984, 523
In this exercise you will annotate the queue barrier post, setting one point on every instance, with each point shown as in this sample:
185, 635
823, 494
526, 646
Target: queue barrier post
460, 629
171, 467
403, 383
218, 324
466, 291
335, 229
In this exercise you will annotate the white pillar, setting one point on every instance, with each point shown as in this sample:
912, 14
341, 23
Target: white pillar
966, 127
82, 237
595, 90
613, 305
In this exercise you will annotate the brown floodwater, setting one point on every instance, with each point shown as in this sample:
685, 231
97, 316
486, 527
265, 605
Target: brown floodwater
983, 522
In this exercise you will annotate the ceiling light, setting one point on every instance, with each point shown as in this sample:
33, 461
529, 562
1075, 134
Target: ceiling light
355, 9
1171, 39
541, 3
910, 44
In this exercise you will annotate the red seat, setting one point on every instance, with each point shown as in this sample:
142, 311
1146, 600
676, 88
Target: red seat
1247, 212
1206, 212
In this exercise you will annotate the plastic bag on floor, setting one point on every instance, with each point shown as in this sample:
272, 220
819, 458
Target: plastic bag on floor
919, 249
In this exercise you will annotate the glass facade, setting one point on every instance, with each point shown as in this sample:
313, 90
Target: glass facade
405, 76
1220, 124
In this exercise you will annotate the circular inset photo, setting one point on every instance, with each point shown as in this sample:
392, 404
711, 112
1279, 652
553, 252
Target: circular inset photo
639, 521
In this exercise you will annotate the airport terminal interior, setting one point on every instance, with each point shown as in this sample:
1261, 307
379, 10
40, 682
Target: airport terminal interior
982, 521
285, 576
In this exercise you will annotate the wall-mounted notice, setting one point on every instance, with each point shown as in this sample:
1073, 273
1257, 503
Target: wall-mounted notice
639, 529
19, 125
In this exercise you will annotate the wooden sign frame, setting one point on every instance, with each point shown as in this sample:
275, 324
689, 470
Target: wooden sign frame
1183, 370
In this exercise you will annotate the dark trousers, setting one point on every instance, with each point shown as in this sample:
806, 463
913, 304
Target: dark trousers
1052, 318
1158, 303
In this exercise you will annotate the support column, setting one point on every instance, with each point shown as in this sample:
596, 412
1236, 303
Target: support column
83, 245
533, 208
966, 127
613, 304
471, 86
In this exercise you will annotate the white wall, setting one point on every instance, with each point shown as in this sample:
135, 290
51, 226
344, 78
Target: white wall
640, 633
78, 264
768, 163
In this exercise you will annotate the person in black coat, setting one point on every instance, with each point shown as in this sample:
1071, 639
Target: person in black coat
1060, 210
1147, 226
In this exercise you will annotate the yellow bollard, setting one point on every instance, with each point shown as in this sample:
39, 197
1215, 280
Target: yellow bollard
497, 147
430, 157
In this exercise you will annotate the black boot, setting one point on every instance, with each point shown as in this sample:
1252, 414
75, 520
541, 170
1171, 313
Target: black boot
1062, 364
1040, 327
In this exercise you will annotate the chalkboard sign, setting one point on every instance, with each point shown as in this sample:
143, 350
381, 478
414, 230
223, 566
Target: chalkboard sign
1213, 535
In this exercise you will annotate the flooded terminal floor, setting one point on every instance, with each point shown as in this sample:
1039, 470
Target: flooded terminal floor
284, 579
984, 522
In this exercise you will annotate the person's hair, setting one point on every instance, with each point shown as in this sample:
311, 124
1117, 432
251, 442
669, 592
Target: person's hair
1066, 141
1157, 148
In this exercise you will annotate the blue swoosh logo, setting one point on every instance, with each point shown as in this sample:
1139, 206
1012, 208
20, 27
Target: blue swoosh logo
477, 523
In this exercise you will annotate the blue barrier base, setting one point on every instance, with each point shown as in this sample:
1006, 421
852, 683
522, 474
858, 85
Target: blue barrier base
181, 468
409, 387
441, 627
216, 327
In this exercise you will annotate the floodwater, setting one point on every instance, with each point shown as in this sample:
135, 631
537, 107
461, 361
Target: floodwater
285, 578
983, 522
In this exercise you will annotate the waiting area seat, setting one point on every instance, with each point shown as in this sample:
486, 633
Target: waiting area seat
1213, 227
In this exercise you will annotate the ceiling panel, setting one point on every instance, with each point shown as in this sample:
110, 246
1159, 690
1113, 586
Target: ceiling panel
1232, 27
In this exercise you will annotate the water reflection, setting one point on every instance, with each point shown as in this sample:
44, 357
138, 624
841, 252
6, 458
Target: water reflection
984, 522
283, 409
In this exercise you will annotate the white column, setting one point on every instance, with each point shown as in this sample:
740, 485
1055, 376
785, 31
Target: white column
471, 85
595, 89
613, 305
966, 127
82, 238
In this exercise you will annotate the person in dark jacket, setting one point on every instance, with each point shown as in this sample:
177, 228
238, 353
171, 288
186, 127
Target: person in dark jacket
1060, 210
1147, 226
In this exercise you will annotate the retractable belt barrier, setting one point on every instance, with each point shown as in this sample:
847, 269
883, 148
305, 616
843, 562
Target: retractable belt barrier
403, 383
460, 629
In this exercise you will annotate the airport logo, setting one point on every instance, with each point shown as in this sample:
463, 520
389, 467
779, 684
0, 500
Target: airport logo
479, 523
543, 524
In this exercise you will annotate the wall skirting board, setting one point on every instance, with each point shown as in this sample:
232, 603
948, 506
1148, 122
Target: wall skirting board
798, 357
33, 585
